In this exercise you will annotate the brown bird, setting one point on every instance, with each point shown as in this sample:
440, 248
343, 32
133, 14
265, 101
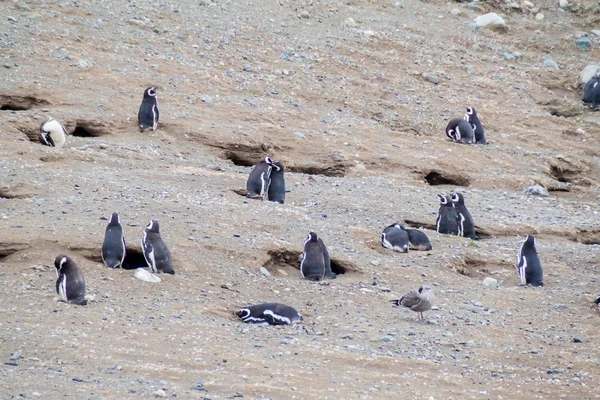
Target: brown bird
417, 301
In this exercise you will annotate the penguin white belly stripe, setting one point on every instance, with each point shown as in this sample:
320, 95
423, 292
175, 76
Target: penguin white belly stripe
461, 228
124, 250
277, 317
62, 288
458, 136
155, 123
522, 272
302, 264
152, 260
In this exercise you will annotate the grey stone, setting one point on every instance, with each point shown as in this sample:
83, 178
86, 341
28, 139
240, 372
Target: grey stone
596, 32
146, 276
539, 16
432, 79
507, 56
298, 134
264, 271
551, 64
491, 21
305, 14
206, 99
563, 3
490, 283
536, 190
586, 74
11, 19
247, 68
583, 43
455, 11
577, 339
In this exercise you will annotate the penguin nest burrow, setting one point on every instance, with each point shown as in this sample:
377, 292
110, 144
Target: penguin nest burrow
435, 178
284, 258
20, 103
134, 257
476, 267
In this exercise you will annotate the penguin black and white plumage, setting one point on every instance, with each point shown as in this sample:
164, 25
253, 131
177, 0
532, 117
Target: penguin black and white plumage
270, 313
460, 131
591, 92
260, 179
113, 247
597, 302
529, 266
466, 226
70, 284
52, 134
156, 253
329, 274
312, 266
473, 119
447, 219
395, 238
276, 191
148, 113
417, 239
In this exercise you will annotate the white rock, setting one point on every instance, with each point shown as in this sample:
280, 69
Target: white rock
587, 73
539, 16
160, 393
455, 11
528, 4
264, 271
146, 276
490, 283
563, 3
491, 21
596, 32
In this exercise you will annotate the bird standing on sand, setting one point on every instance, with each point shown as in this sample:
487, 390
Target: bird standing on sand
419, 301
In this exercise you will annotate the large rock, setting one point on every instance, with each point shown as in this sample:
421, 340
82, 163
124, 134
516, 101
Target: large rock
586, 74
491, 21
146, 276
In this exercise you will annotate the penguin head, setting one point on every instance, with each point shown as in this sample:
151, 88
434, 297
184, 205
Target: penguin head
115, 219
150, 92
268, 160
529, 241
277, 166
61, 262
312, 237
443, 199
243, 313
51, 125
458, 198
471, 111
152, 226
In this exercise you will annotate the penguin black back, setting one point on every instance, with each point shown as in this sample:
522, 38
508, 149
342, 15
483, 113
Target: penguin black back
529, 266
148, 112
276, 190
418, 239
156, 253
591, 91
271, 313
447, 219
466, 226
460, 131
260, 179
113, 247
312, 266
70, 284
395, 238
473, 119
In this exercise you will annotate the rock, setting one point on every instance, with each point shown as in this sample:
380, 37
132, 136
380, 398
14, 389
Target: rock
586, 74
351, 22
206, 99
490, 283
528, 4
596, 32
507, 56
551, 64
575, 6
563, 3
160, 393
199, 386
398, 5
536, 190
432, 79
455, 11
583, 43
491, 21
144, 275
301, 136
247, 68
577, 339
304, 14
11, 19
539, 16
264, 271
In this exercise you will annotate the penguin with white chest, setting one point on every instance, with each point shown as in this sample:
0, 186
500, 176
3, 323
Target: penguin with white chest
312, 266
269, 313
156, 253
70, 284
113, 247
447, 219
276, 191
591, 92
461, 131
466, 226
529, 266
395, 238
473, 119
52, 134
148, 112
260, 179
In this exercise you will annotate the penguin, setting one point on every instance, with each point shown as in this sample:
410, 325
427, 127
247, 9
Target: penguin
529, 267
259, 179
395, 238
460, 131
329, 274
156, 253
473, 119
597, 302
270, 313
466, 226
417, 239
591, 92
312, 266
276, 190
70, 284
113, 247
148, 113
447, 219
419, 301
52, 134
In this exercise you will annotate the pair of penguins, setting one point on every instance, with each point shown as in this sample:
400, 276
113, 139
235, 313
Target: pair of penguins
397, 237
591, 92
467, 130
70, 284
454, 218
267, 179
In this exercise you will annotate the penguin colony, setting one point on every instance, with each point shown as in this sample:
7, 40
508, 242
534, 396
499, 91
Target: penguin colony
267, 179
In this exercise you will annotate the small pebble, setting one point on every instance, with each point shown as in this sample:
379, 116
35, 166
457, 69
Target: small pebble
577, 339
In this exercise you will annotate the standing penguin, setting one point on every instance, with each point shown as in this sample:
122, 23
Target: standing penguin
259, 179
529, 266
395, 238
148, 113
113, 247
156, 253
447, 219
466, 226
473, 119
312, 266
417, 239
277, 185
591, 91
460, 131
52, 134
70, 284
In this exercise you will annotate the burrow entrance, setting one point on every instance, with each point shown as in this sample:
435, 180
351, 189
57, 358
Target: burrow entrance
78, 128
134, 257
288, 261
20, 103
7, 249
435, 178
482, 233
476, 267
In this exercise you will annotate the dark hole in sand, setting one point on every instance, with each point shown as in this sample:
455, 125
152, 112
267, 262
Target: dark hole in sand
134, 258
20, 103
435, 178
291, 258
89, 129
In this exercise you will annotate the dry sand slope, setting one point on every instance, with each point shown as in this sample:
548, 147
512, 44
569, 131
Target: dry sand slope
343, 94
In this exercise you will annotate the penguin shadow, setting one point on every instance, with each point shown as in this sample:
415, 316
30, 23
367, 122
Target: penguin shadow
286, 263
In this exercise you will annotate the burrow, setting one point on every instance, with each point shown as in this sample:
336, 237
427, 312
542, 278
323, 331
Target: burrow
567, 174
287, 262
80, 128
9, 248
478, 267
437, 177
10, 102
17, 191
134, 257
482, 233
